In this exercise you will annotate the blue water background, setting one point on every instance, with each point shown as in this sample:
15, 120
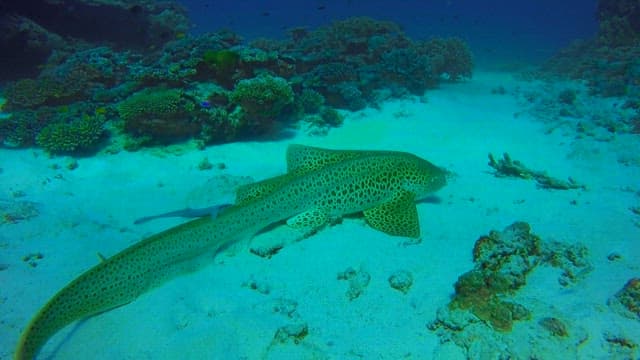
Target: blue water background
496, 30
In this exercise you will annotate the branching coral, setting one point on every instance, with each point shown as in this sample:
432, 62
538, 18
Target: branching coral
22, 127
25, 93
450, 57
79, 135
262, 99
68, 83
161, 113
223, 64
310, 101
619, 22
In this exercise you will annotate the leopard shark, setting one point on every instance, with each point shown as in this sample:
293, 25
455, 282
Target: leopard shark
320, 186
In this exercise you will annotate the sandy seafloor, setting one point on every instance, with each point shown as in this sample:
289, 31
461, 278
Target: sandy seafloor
215, 313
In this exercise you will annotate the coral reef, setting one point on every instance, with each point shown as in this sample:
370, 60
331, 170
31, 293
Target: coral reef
350, 59
450, 57
609, 62
580, 111
26, 93
163, 86
619, 22
50, 89
33, 30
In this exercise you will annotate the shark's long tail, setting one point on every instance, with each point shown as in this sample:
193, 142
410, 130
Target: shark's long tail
121, 278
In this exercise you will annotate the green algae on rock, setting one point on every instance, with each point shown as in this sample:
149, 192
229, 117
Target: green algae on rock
481, 319
626, 302
503, 260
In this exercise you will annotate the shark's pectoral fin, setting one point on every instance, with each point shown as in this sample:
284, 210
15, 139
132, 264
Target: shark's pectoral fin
310, 220
398, 216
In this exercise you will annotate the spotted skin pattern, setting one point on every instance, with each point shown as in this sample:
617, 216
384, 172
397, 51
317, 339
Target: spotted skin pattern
320, 185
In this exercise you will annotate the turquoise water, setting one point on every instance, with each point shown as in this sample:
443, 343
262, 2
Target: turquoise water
322, 180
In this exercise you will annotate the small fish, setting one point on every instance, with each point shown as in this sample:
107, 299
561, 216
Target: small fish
205, 104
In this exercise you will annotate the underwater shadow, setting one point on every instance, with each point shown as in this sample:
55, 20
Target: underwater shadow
431, 199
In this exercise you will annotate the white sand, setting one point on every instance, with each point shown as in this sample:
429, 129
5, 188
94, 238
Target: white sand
211, 315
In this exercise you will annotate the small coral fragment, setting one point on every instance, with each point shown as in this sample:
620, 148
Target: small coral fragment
358, 281
621, 345
555, 326
295, 333
506, 167
205, 164
32, 259
401, 281
12, 212
572, 259
259, 286
286, 307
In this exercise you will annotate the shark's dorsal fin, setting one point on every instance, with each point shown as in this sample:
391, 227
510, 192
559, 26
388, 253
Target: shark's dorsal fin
260, 189
397, 216
302, 159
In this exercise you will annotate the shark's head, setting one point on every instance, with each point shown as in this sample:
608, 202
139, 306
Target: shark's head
422, 177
